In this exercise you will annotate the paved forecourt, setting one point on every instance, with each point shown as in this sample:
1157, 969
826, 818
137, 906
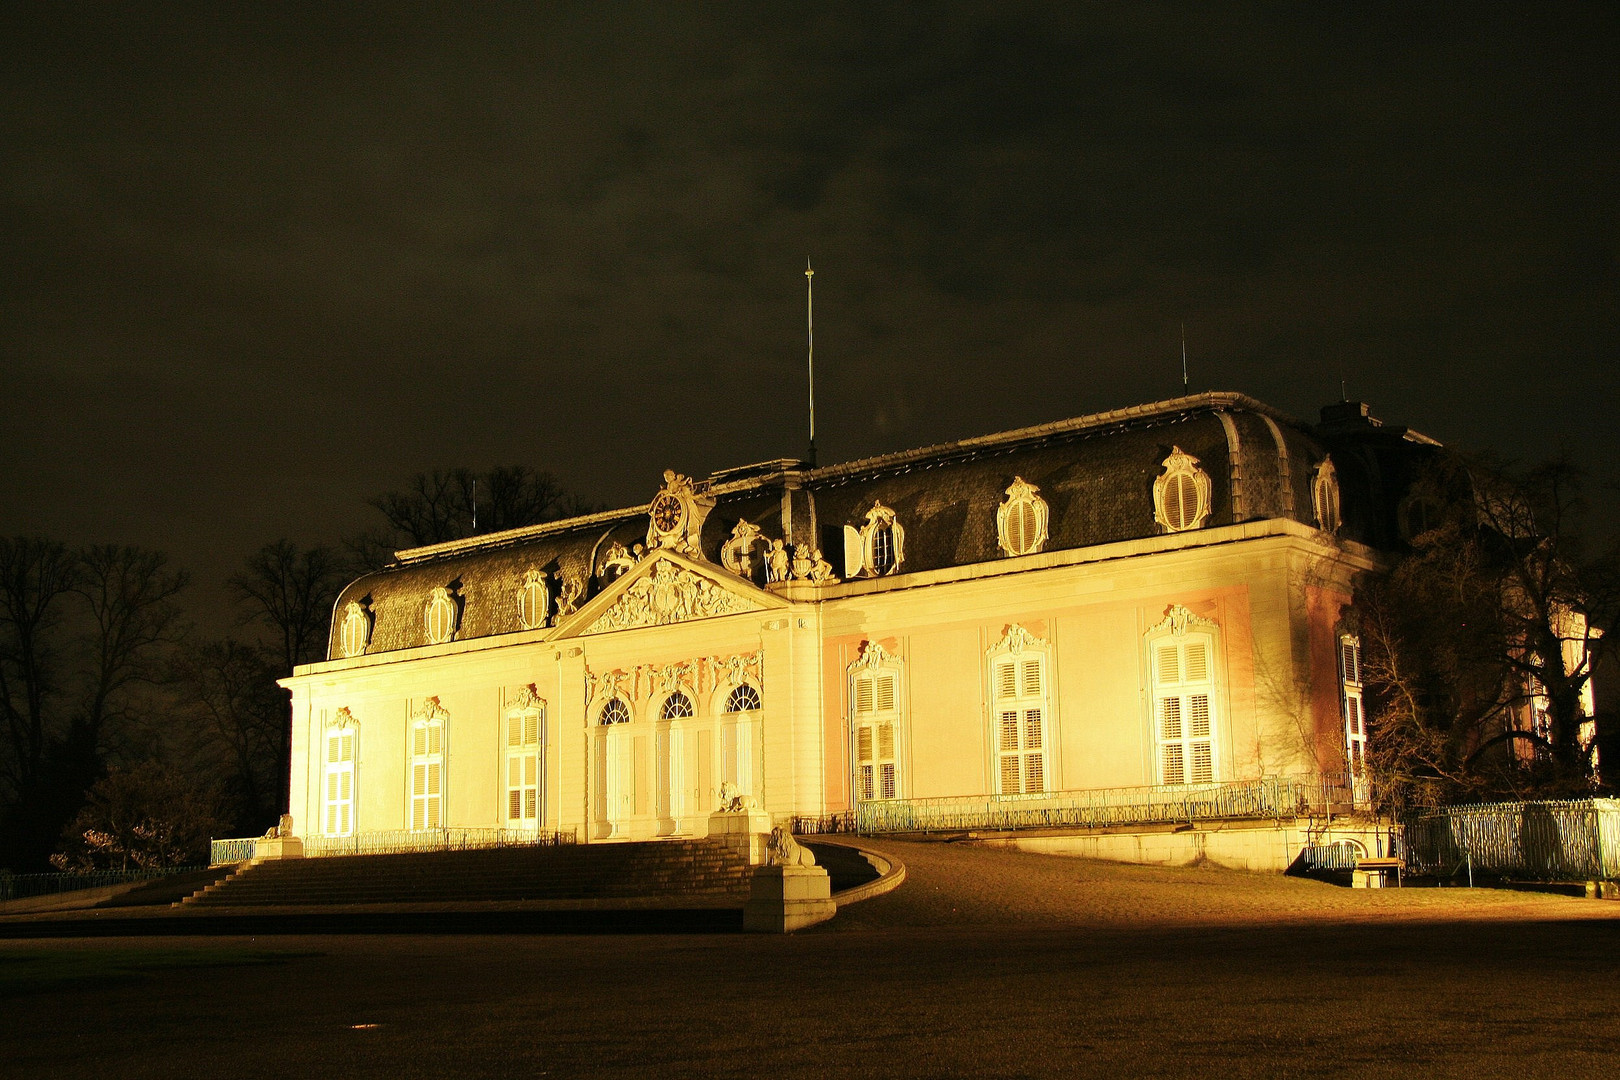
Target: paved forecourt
985, 963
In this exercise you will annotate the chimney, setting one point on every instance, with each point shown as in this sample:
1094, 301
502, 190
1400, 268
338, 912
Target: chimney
1346, 417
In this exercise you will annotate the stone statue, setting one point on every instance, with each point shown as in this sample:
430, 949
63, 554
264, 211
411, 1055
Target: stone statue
776, 562
616, 560
821, 571
568, 598
733, 801
802, 562
783, 850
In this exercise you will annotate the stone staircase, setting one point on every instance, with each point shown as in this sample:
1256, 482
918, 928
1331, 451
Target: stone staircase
695, 871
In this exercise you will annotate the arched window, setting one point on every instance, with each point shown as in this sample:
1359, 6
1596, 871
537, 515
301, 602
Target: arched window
1181, 652
875, 723
1181, 494
440, 617
337, 817
676, 707
534, 600
355, 634
1325, 496
1019, 710
1021, 520
615, 712
427, 766
743, 699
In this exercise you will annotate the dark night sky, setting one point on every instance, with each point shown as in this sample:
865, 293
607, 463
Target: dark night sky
259, 266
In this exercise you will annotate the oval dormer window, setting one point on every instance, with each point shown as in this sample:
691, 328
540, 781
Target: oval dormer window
534, 600
440, 618
1181, 493
355, 634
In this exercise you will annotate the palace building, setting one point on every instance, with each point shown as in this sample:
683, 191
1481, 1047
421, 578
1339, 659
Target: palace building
1146, 598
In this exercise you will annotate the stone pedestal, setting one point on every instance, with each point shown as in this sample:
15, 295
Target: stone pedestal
744, 831
784, 898
277, 847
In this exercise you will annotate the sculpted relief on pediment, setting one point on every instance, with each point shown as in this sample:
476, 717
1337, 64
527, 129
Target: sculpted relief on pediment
669, 594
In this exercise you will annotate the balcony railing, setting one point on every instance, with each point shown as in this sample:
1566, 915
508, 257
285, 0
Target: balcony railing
393, 842
1271, 797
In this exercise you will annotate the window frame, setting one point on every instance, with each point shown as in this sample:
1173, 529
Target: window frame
1180, 629
429, 719
343, 724
1326, 497
528, 756
1019, 651
876, 775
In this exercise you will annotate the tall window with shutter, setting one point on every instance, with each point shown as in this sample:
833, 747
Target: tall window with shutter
1181, 493
1021, 718
337, 817
1355, 713
427, 770
524, 733
875, 724
1185, 711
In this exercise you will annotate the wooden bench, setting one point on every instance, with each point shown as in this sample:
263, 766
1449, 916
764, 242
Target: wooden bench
1374, 873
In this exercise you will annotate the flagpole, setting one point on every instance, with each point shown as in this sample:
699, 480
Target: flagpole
810, 332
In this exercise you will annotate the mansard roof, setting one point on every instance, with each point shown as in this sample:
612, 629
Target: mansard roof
1095, 472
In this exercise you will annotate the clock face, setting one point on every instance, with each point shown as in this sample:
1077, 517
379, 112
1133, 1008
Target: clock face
667, 512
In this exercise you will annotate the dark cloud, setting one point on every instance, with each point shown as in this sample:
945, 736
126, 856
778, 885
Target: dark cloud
262, 264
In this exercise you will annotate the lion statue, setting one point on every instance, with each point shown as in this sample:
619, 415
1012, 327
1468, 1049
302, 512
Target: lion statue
733, 801
783, 850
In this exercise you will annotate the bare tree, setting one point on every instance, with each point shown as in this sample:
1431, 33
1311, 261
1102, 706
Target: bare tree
452, 504
290, 591
35, 577
1488, 619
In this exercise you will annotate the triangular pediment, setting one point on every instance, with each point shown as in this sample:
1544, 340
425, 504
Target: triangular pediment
666, 588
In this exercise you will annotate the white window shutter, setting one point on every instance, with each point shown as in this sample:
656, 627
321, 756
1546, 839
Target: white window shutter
853, 551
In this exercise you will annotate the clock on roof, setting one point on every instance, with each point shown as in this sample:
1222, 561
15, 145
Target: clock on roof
675, 515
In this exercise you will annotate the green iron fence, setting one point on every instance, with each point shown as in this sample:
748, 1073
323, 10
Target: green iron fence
1565, 840
18, 886
1271, 797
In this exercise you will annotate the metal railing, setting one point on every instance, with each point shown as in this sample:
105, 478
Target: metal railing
226, 852
1564, 840
1270, 797
394, 842
1337, 856
18, 886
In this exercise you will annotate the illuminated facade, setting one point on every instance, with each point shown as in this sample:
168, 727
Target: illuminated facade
1151, 596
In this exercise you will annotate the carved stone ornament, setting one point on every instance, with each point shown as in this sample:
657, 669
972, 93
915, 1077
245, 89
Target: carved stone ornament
568, 597
675, 515
526, 697
873, 655
1181, 494
821, 571
1021, 521
777, 562
737, 554
343, 718
1177, 619
534, 600
615, 561
430, 710
670, 594
1016, 640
